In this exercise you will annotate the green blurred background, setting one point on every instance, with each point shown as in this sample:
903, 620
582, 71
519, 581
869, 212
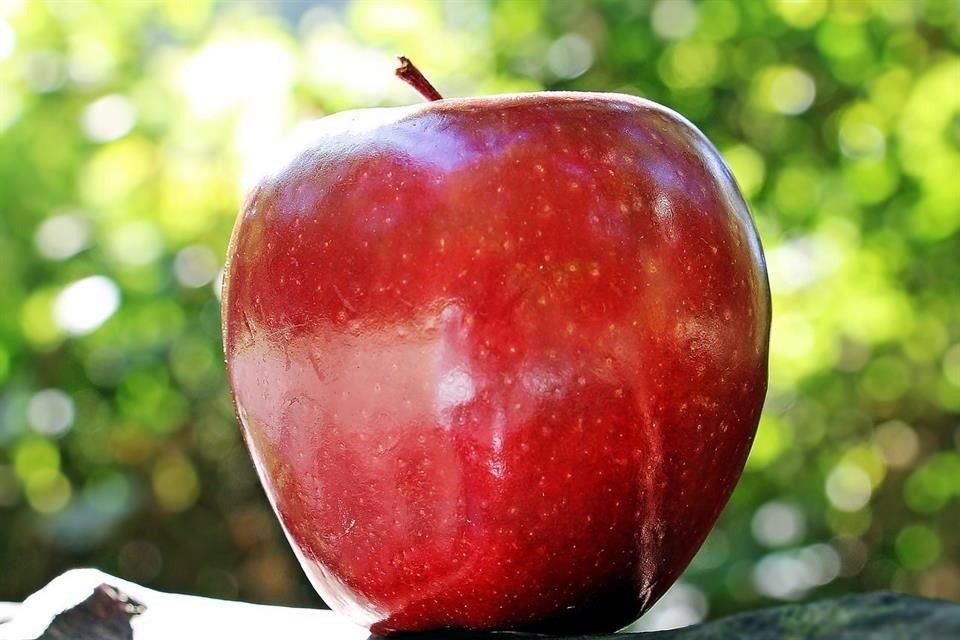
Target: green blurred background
128, 131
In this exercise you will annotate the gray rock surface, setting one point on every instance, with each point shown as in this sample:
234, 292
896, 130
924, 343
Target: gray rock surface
869, 616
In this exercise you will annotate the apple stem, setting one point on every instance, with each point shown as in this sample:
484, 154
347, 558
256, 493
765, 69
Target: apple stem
409, 73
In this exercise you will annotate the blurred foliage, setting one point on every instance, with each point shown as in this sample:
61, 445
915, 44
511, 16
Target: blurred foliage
128, 131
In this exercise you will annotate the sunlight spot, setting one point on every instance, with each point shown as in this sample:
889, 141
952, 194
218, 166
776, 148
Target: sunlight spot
86, 304
225, 73
674, 19
778, 523
109, 118
135, 243
791, 91
50, 412
789, 575
570, 56
848, 487
195, 266
8, 40
62, 236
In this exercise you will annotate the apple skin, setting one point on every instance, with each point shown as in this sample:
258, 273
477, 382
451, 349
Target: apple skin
499, 361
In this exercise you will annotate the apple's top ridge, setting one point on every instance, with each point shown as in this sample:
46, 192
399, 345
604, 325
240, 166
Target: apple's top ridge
358, 123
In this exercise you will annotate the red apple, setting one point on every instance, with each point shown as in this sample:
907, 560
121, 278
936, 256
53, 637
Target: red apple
498, 361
